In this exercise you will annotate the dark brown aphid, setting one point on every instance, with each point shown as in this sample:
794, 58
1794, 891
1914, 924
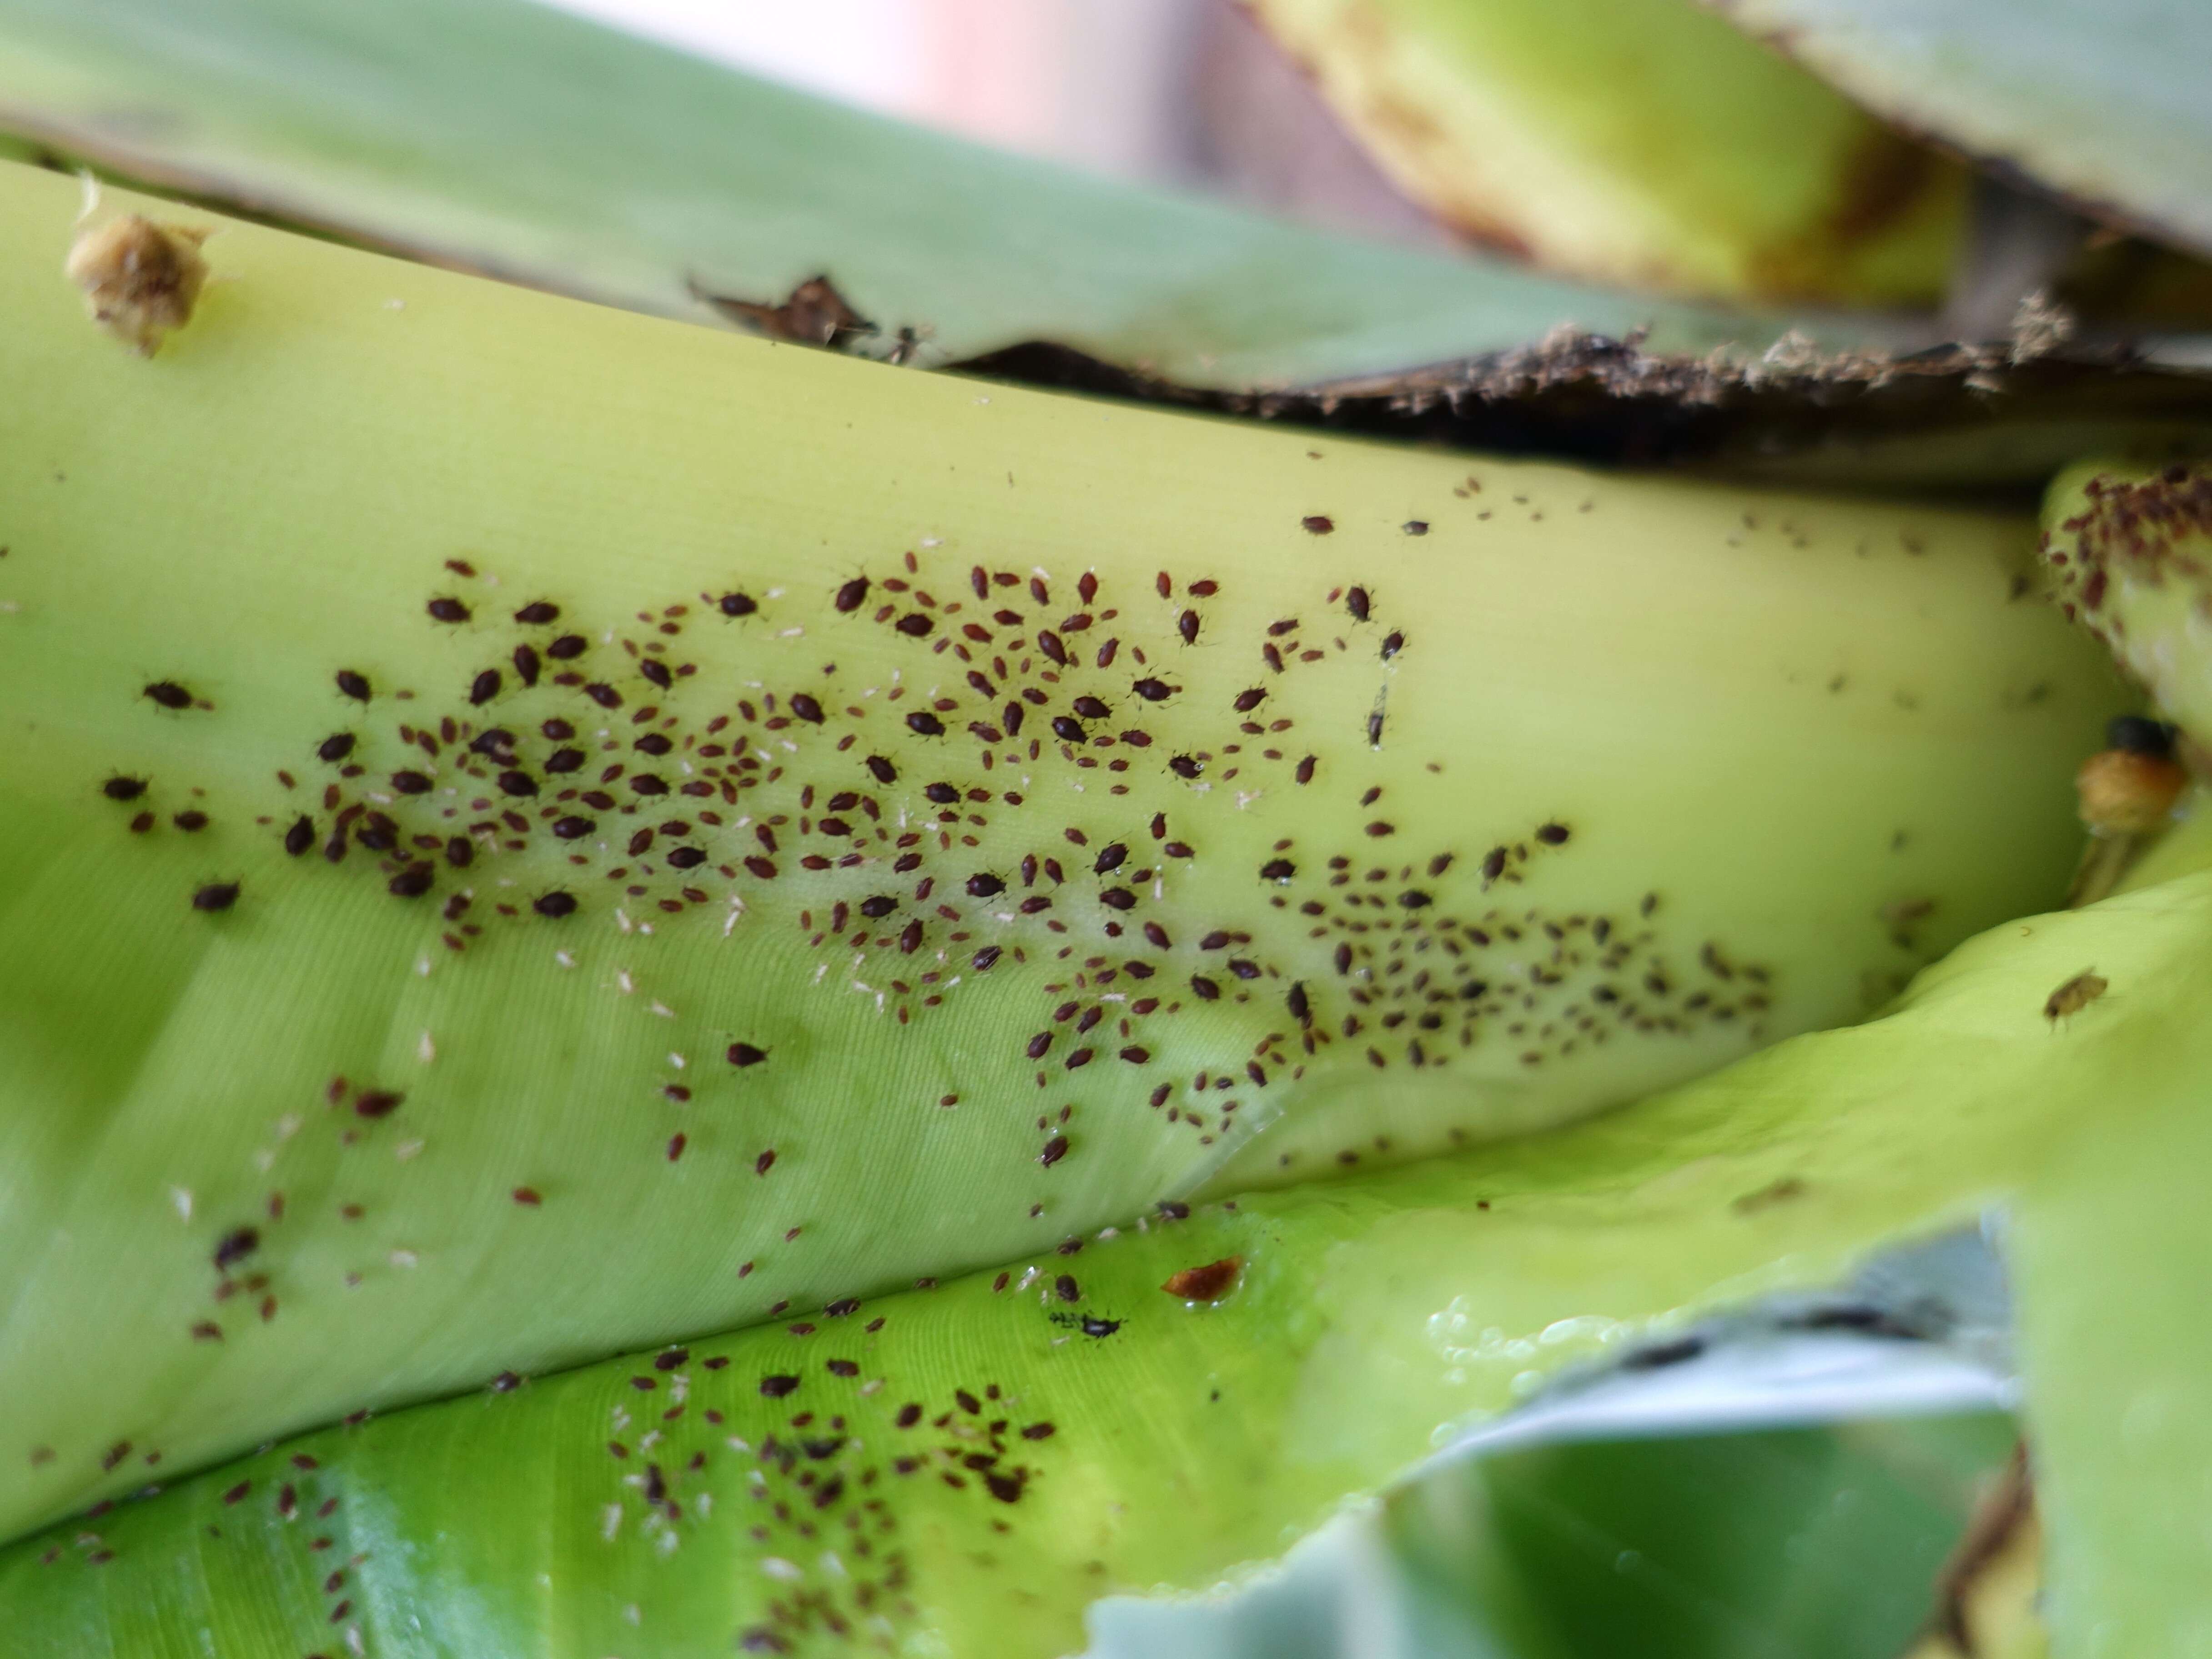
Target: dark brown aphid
567, 645
1393, 643
169, 694
852, 595
525, 665
555, 904
1091, 709
925, 725
1110, 857
656, 671
1055, 1149
191, 821
446, 610
410, 783
484, 688
775, 1387
1248, 701
1318, 523
882, 770
2075, 995
300, 836
335, 747
1184, 766
1186, 625
737, 605
1066, 730
573, 828
745, 1054
1553, 835
915, 625
1207, 1284
235, 1246
1355, 601
537, 613
564, 760
1152, 690
1277, 869
1415, 527
1301, 1009
983, 885
517, 783
378, 1103
412, 882
353, 685
605, 695
216, 895
122, 788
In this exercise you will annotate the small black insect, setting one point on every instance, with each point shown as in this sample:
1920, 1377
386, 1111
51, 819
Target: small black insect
335, 747
446, 610
537, 613
353, 685
169, 694
216, 895
300, 836
484, 688
122, 788
555, 904
737, 605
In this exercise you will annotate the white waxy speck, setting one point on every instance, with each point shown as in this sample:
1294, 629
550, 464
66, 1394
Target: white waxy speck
426, 1050
983, 400
404, 1258
288, 1126
182, 1197
264, 1160
395, 305
777, 1567
645, 928
737, 1444
621, 1418
1105, 1233
622, 921
831, 1565
676, 1060
610, 1521
632, 1614
873, 1385
623, 982
663, 1011
564, 959
819, 971
422, 967
406, 1149
1244, 798
651, 1440
932, 541
1027, 1279
791, 633
381, 800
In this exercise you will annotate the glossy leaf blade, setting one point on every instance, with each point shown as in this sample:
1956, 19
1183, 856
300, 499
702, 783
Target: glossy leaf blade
1365, 1318
509, 137
2098, 103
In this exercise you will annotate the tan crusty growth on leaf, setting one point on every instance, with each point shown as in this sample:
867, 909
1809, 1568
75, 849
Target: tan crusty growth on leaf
141, 280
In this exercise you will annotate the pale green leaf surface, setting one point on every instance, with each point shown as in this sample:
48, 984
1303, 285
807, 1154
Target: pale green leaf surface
512, 138
2102, 102
576, 1167
2111, 1248
1370, 1315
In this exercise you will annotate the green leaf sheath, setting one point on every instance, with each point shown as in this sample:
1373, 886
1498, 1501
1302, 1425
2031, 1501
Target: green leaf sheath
1368, 1316
649, 914
1641, 142
509, 137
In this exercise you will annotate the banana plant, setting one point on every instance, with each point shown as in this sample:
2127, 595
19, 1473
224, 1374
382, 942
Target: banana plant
664, 991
